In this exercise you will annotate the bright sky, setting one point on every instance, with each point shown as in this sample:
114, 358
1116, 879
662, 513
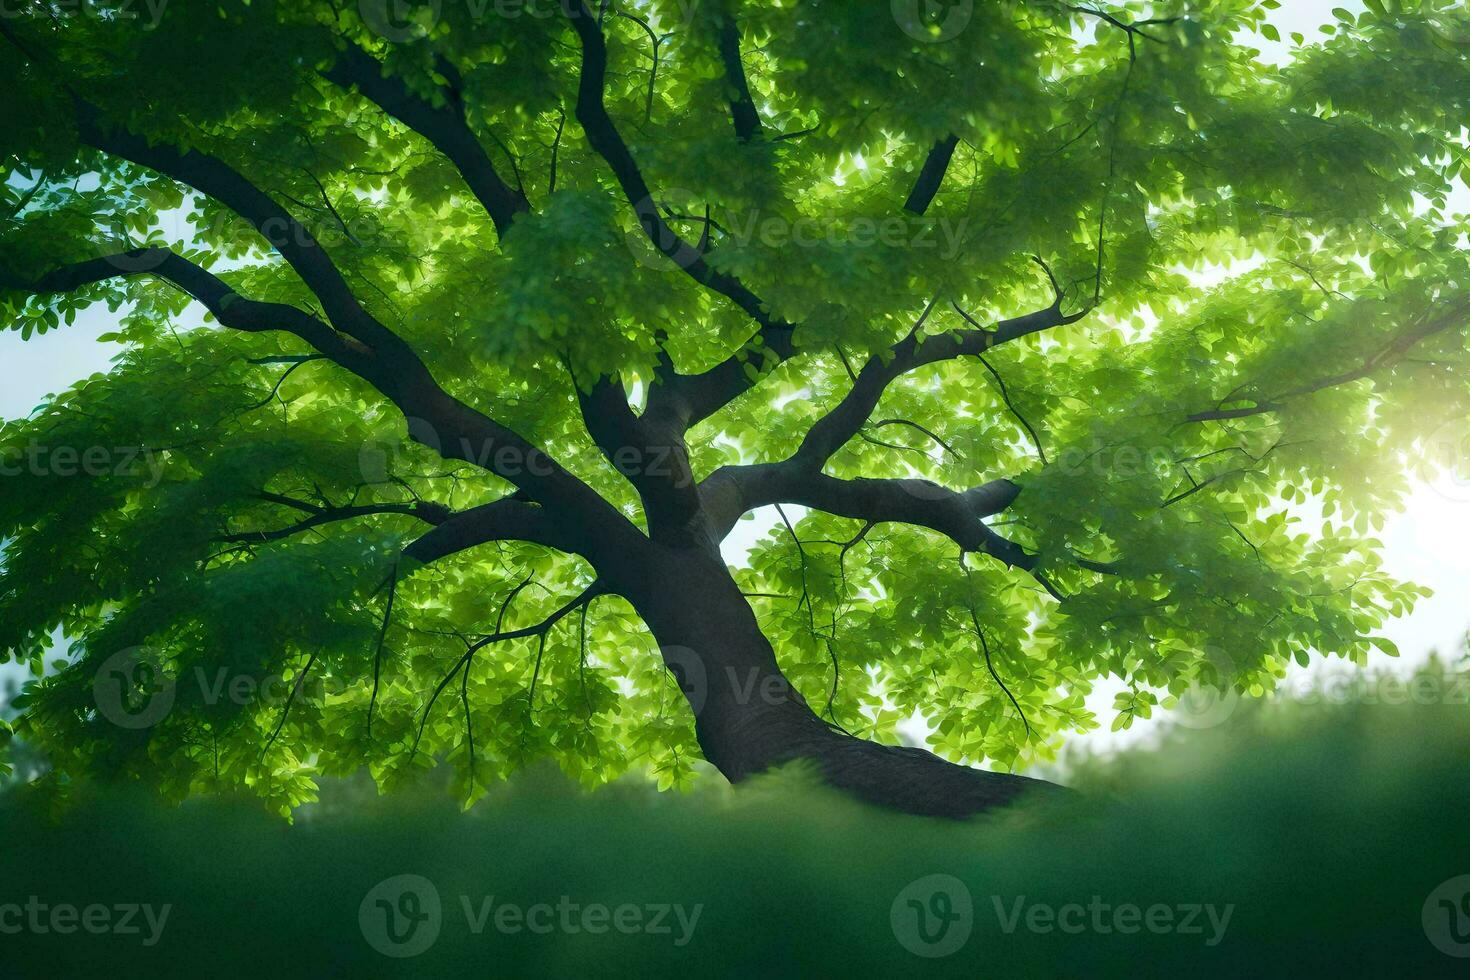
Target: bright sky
1425, 544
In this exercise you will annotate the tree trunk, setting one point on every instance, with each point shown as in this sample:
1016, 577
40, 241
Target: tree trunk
748, 717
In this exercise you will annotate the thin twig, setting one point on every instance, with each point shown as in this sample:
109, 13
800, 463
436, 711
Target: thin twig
985, 647
1006, 397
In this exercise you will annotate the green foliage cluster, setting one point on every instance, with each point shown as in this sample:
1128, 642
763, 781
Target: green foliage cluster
1129, 160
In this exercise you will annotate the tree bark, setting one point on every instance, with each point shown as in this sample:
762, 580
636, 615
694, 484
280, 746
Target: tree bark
749, 718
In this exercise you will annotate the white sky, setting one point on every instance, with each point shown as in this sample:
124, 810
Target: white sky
1426, 544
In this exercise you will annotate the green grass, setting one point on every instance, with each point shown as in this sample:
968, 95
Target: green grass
1324, 829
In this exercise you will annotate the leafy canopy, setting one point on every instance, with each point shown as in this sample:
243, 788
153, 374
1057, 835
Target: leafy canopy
1201, 467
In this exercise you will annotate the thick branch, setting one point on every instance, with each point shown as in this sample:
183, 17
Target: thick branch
958, 515
507, 519
931, 175
831, 432
602, 134
742, 107
452, 428
296, 244
227, 306
648, 452
443, 126
455, 429
732, 491
693, 398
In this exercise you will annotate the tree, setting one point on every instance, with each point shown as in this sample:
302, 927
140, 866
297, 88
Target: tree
522, 308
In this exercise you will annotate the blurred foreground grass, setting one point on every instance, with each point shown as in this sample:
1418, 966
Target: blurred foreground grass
1332, 835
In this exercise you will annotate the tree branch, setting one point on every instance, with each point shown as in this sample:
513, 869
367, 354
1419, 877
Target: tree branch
831, 432
687, 399
1005, 396
742, 107
443, 126
507, 519
602, 133
290, 238
649, 453
918, 428
454, 429
592, 592
379, 355
224, 304
429, 513
732, 491
1390, 354
931, 175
